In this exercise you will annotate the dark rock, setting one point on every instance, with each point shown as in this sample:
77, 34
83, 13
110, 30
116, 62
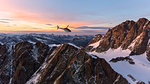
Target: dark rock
122, 59
132, 78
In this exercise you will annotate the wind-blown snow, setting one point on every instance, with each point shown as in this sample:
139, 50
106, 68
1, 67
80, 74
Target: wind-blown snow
140, 70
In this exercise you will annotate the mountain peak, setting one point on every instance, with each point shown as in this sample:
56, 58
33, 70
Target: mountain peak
123, 35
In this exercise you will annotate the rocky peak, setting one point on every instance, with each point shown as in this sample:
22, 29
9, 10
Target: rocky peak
114, 37
127, 35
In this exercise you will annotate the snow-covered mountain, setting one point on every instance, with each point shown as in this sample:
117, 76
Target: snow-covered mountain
126, 48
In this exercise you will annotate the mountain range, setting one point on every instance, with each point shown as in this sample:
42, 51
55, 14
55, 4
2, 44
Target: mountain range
121, 56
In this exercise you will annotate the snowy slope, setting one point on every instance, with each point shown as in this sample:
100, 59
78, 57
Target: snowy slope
139, 71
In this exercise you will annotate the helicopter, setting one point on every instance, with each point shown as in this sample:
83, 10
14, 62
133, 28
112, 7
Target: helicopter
66, 29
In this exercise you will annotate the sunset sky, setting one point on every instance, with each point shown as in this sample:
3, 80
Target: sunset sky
83, 16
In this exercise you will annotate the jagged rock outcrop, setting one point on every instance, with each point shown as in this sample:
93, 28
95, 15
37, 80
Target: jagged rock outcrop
70, 64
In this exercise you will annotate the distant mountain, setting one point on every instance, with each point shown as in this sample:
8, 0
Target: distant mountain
126, 47
49, 39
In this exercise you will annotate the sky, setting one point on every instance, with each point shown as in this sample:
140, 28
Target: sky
84, 16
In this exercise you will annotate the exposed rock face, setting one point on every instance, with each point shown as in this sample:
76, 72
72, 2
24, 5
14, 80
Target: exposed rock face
69, 64
42, 51
127, 35
135, 30
119, 33
140, 43
24, 63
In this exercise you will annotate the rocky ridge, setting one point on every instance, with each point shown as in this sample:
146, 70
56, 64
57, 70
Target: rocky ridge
70, 64
40, 64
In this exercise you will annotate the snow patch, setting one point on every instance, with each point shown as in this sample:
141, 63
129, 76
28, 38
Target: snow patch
112, 53
52, 45
35, 53
95, 45
140, 70
74, 45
